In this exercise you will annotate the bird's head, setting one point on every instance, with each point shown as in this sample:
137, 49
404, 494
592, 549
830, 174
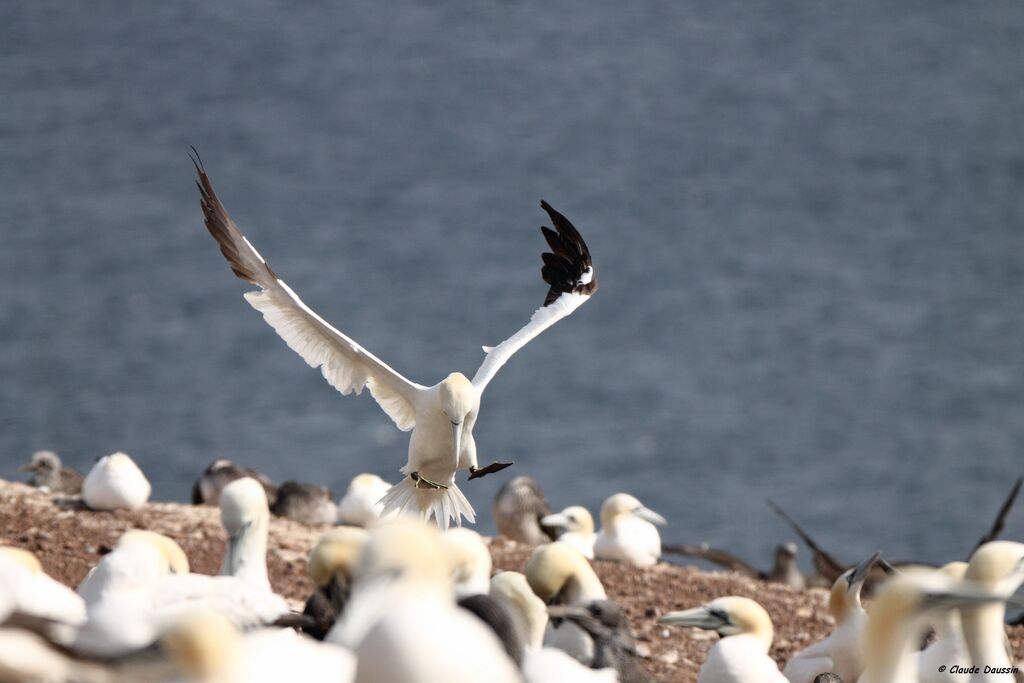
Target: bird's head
42, 463
457, 397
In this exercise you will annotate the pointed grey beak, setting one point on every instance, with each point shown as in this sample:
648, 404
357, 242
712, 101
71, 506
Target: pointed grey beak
651, 516
27, 467
457, 438
567, 612
232, 553
698, 617
556, 520
860, 572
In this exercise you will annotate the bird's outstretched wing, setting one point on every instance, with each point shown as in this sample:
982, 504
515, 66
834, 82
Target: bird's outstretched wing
346, 365
570, 273
826, 565
720, 557
1000, 520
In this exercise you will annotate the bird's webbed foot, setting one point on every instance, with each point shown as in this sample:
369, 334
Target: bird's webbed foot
477, 472
422, 482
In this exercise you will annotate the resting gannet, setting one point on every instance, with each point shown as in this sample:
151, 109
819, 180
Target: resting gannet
49, 473
936, 662
997, 567
361, 504
220, 473
441, 417
331, 565
560, 575
470, 560
576, 527
306, 503
246, 518
115, 482
841, 652
741, 656
627, 532
518, 508
31, 591
784, 569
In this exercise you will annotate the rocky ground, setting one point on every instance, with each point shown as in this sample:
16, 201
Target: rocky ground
69, 540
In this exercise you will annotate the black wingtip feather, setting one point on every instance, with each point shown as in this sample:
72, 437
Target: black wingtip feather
564, 269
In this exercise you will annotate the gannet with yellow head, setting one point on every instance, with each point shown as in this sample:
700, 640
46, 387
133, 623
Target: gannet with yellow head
627, 532
936, 663
331, 565
32, 592
115, 482
576, 526
442, 416
470, 559
741, 656
997, 567
361, 506
842, 651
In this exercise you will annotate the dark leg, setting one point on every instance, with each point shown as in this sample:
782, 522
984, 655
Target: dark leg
477, 472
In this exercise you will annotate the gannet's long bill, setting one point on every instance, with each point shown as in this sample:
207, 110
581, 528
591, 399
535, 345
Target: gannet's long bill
441, 417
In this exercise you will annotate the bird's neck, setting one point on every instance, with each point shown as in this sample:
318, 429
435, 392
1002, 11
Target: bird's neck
985, 635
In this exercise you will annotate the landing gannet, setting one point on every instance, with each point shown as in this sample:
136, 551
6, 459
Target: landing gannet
741, 656
307, 503
115, 482
842, 651
560, 575
49, 473
518, 508
31, 591
220, 473
331, 566
246, 518
577, 528
361, 506
997, 567
441, 417
628, 532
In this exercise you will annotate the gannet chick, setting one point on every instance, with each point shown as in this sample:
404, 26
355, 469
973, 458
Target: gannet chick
32, 592
741, 656
627, 532
220, 473
614, 647
518, 507
842, 651
996, 567
576, 527
560, 575
470, 560
785, 569
49, 473
306, 503
442, 416
361, 506
949, 649
246, 518
115, 482
331, 566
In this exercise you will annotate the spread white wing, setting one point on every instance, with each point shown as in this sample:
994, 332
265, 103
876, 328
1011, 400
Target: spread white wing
346, 365
570, 273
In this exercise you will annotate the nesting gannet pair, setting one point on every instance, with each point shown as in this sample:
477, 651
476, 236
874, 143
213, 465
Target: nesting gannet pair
519, 509
361, 506
627, 532
441, 417
115, 482
576, 528
220, 473
842, 651
50, 474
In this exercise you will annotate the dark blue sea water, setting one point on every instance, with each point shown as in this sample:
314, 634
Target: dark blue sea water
808, 221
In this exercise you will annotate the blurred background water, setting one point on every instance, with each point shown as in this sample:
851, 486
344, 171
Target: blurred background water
808, 221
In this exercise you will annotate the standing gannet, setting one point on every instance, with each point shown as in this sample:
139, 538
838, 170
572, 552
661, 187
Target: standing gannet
220, 473
518, 508
560, 575
628, 532
361, 506
441, 417
741, 656
307, 503
331, 565
577, 528
997, 567
115, 482
949, 649
842, 651
49, 473
32, 592
246, 519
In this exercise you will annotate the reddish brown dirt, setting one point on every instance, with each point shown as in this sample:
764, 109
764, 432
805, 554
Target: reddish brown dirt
69, 539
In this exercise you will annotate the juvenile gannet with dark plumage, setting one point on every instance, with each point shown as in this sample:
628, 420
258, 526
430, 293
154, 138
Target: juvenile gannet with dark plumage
997, 567
518, 508
441, 417
627, 532
576, 527
741, 656
246, 518
613, 644
842, 651
220, 473
307, 503
49, 473
115, 482
361, 506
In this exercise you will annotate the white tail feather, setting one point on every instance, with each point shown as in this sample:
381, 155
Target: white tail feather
425, 502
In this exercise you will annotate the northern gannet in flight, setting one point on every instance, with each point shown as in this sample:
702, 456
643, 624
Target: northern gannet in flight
442, 416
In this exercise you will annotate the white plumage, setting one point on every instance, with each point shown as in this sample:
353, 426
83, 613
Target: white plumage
361, 506
115, 482
578, 527
627, 532
30, 591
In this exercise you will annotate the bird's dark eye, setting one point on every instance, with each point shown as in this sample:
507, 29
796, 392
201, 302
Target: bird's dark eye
719, 613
